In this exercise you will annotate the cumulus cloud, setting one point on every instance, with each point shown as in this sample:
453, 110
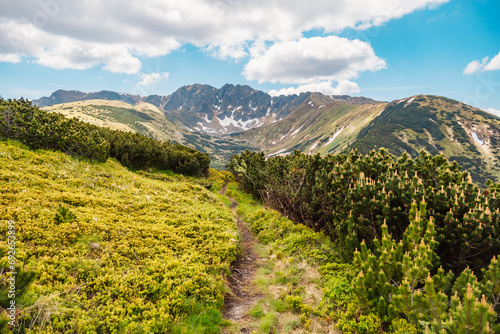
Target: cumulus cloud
226, 52
494, 64
483, 65
91, 30
314, 59
153, 78
344, 87
68, 54
65, 52
475, 66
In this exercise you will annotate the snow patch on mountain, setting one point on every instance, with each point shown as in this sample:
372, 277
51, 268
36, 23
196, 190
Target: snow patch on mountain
476, 138
277, 152
334, 136
200, 126
296, 131
409, 101
245, 125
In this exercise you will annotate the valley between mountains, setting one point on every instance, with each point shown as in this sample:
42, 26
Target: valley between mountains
231, 119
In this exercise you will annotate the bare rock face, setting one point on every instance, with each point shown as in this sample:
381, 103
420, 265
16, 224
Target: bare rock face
229, 109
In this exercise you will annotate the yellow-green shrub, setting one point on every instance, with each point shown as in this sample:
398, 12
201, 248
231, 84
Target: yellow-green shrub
136, 251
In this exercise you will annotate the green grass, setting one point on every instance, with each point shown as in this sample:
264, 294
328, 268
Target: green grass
121, 115
305, 288
268, 322
145, 253
200, 320
257, 311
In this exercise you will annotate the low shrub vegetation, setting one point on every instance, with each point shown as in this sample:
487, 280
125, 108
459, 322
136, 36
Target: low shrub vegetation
112, 251
43, 130
413, 243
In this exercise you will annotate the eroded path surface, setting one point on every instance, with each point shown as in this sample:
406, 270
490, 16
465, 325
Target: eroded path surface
260, 281
243, 292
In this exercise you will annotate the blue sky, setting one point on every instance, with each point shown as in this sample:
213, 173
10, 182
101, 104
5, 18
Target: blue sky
382, 49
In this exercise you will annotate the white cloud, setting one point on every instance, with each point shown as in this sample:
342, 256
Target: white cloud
494, 112
10, 58
483, 65
225, 52
73, 34
66, 52
153, 78
475, 66
70, 54
314, 59
494, 64
343, 88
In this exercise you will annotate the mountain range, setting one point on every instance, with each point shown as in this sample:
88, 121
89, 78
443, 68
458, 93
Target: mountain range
233, 118
207, 109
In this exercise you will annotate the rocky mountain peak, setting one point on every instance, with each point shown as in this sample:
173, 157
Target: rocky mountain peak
232, 108
216, 111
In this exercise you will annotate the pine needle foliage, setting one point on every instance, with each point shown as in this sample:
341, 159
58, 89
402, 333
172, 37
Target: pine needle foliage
350, 197
422, 238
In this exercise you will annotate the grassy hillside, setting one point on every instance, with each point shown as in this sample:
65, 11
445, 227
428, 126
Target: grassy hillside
317, 126
146, 119
114, 251
143, 117
439, 125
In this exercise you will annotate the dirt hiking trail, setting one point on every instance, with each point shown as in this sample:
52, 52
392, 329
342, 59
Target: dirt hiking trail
243, 292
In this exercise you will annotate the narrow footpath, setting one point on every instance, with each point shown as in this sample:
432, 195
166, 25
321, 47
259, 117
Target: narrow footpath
270, 290
243, 293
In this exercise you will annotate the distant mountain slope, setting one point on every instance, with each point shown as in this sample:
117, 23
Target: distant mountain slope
142, 117
321, 124
229, 109
439, 125
149, 120
228, 120
206, 109
237, 108
65, 96
436, 124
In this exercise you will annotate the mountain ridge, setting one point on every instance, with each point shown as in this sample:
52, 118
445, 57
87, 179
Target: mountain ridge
230, 109
225, 121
